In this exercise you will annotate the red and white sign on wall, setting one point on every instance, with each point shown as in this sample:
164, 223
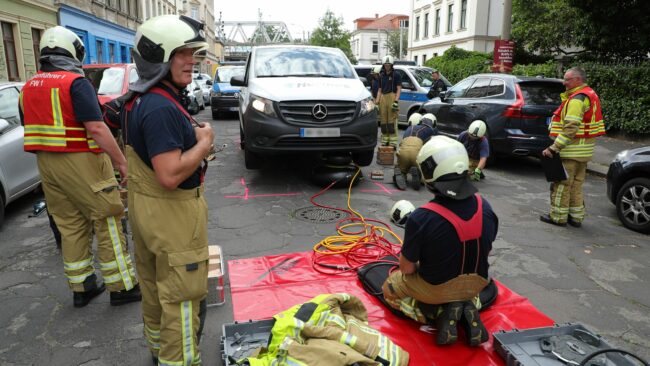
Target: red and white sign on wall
504, 52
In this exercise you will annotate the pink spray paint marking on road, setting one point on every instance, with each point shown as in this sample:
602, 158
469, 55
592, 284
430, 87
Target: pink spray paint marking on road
247, 195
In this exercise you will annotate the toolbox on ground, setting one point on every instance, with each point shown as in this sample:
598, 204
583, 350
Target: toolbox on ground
386, 155
216, 269
239, 340
561, 344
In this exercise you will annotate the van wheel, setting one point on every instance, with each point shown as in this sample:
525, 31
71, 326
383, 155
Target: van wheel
242, 140
363, 158
252, 161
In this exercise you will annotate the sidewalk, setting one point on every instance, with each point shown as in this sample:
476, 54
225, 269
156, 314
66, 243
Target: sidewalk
606, 150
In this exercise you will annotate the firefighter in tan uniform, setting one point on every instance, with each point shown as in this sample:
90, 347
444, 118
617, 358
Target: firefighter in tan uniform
76, 154
390, 87
574, 126
420, 130
165, 149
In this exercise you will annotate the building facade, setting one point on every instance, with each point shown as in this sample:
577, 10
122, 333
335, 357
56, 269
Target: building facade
369, 38
437, 25
106, 27
21, 25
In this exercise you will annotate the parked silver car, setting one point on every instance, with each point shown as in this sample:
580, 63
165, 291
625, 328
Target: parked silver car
18, 171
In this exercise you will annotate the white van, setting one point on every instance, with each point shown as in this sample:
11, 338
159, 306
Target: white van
298, 99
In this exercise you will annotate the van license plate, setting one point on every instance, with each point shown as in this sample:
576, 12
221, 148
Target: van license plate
320, 132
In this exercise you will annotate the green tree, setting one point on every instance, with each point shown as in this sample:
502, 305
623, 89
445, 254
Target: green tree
393, 42
548, 26
615, 29
330, 33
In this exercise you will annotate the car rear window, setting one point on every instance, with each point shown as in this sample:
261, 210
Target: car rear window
224, 74
547, 93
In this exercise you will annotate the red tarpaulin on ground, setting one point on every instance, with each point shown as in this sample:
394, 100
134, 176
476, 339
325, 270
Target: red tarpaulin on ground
264, 286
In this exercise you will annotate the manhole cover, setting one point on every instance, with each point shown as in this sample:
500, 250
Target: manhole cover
318, 214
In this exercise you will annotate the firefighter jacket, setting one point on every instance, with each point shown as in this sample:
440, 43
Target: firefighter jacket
329, 330
576, 123
48, 115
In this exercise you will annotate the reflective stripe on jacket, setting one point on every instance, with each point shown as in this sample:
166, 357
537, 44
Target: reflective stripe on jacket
576, 123
48, 115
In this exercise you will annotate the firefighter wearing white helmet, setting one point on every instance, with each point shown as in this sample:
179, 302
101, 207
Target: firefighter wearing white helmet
168, 213
373, 80
400, 212
447, 241
420, 130
76, 155
478, 148
389, 90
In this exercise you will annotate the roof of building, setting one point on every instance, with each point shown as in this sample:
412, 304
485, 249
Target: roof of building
388, 21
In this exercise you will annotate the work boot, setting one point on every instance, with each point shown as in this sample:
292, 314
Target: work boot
547, 219
399, 179
574, 223
126, 296
416, 180
474, 329
447, 323
81, 299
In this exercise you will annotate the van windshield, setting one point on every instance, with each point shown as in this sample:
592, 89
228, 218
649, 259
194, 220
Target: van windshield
302, 62
224, 74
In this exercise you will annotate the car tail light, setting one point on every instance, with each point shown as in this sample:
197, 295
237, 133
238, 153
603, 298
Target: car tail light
514, 110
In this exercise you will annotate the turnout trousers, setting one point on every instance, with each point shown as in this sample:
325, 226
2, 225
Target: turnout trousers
388, 120
82, 196
406, 292
171, 252
566, 195
408, 151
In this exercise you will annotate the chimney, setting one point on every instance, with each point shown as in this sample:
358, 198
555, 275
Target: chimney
376, 16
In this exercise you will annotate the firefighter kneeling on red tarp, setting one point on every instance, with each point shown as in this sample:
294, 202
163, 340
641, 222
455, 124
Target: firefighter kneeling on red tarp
443, 263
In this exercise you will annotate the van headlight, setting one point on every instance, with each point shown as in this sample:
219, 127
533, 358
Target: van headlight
263, 105
367, 106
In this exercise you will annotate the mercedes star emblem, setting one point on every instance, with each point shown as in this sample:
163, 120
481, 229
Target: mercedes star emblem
319, 111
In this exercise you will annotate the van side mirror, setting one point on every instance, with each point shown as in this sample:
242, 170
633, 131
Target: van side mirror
407, 85
208, 82
237, 81
442, 95
197, 88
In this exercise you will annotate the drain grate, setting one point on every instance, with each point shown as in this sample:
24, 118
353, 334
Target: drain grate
318, 214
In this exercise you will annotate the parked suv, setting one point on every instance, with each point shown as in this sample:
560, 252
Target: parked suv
416, 82
628, 187
298, 99
516, 109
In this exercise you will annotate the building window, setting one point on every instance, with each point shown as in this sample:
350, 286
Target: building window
415, 59
463, 14
10, 51
417, 28
426, 25
148, 10
435, 54
195, 13
424, 58
375, 46
111, 52
123, 57
450, 18
404, 23
100, 51
437, 29
36, 41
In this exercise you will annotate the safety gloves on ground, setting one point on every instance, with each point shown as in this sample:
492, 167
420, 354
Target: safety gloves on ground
395, 106
476, 176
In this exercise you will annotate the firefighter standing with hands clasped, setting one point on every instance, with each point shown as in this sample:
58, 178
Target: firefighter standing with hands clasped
76, 154
165, 149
